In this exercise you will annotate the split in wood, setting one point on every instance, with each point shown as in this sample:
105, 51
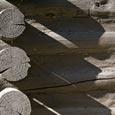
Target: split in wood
11, 21
13, 64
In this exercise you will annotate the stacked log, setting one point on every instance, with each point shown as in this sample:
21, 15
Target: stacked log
14, 102
14, 62
14, 65
87, 29
11, 20
85, 32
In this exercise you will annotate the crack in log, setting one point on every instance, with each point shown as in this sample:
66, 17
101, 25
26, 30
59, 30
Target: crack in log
20, 24
74, 83
4, 70
14, 63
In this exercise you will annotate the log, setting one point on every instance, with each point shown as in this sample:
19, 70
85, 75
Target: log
64, 37
76, 8
69, 73
56, 31
80, 39
11, 20
14, 102
13, 64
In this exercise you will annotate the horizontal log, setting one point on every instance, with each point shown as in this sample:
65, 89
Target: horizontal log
97, 8
94, 103
11, 20
14, 102
69, 73
65, 38
14, 62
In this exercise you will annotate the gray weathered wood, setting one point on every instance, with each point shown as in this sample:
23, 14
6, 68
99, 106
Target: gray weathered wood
14, 102
13, 62
11, 20
57, 73
75, 8
53, 30
63, 39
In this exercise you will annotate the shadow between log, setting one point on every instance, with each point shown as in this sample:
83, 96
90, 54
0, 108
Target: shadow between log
33, 40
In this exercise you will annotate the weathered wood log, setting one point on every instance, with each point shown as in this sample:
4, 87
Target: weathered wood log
69, 73
11, 20
76, 8
14, 102
13, 62
66, 38
84, 39
56, 31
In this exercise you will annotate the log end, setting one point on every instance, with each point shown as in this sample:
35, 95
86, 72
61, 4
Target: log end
14, 102
12, 23
14, 64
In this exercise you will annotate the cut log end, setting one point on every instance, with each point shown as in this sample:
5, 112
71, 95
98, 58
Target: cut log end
14, 102
14, 64
12, 23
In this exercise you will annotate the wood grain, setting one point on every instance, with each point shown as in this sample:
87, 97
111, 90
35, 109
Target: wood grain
11, 20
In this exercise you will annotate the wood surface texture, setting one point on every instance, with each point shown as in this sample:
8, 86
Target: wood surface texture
11, 20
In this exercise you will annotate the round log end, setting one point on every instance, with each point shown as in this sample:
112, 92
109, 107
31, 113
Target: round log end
14, 64
12, 23
14, 102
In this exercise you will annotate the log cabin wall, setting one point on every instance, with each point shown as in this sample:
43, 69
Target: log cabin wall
78, 26
78, 34
14, 62
71, 47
